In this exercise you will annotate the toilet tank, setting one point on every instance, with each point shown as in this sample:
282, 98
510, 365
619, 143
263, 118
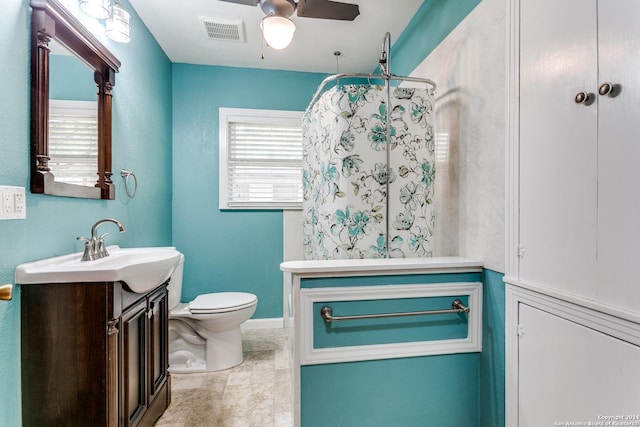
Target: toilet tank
175, 284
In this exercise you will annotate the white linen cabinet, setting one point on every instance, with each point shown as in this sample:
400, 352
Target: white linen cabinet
573, 209
577, 130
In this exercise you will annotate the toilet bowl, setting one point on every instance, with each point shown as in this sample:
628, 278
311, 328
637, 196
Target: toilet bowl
204, 334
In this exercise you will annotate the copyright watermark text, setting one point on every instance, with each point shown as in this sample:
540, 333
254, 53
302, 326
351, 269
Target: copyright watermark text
632, 420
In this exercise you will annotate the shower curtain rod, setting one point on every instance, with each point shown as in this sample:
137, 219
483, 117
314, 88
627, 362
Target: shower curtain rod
386, 77
384, 64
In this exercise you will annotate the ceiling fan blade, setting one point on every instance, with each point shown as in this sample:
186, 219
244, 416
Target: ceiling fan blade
326, 9
245, 2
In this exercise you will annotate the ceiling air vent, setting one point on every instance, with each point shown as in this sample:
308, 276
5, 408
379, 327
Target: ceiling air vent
224, 29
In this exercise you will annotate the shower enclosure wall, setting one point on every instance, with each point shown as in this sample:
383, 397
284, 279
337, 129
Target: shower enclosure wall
368, 172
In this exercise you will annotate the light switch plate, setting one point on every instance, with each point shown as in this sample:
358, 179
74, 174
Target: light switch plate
13, 202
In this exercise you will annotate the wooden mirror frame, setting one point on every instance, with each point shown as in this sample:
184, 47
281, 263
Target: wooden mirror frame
49, 19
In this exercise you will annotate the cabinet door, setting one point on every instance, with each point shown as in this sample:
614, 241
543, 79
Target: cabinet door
134, 354
570, 373
66, 377
619, 152
558, 145
158, 341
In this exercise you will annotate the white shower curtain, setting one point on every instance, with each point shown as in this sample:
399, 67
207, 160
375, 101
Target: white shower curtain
346, 209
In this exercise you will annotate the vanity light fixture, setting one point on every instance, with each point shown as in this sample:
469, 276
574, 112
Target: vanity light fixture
277, 31
117, 20
118, 24
96, 8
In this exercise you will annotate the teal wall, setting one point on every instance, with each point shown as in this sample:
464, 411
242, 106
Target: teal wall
226, 250
70, 79
492, 358
430, 25
141, 142
425, 391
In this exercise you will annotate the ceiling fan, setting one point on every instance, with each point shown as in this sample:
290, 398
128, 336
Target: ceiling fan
277, 28
324, 9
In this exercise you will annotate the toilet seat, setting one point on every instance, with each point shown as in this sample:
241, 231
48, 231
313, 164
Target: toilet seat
221, 302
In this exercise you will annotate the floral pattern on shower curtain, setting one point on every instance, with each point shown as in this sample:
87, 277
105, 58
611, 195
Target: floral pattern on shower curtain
346, 207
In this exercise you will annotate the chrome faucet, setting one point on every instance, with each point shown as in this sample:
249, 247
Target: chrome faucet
94, 247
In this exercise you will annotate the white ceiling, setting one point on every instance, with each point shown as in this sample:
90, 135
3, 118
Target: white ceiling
181, 34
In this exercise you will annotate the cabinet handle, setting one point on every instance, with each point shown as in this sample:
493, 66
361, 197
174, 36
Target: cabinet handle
582, 98
112, 329
607, 89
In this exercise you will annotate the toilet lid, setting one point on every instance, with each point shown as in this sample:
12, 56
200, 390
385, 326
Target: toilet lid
221, 301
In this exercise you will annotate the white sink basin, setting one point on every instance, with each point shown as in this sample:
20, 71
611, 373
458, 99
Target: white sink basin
142, 269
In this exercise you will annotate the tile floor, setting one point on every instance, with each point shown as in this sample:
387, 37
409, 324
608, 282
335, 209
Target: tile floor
257, 393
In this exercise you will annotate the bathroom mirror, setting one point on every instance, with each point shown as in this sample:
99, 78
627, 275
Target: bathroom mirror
53, 31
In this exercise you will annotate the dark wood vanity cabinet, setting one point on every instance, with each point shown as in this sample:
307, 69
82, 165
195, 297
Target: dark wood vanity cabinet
93, 354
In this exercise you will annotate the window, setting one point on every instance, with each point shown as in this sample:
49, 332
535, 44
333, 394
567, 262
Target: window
260, 159
73, 141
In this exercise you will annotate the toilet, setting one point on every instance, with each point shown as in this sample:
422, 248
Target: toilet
204, 334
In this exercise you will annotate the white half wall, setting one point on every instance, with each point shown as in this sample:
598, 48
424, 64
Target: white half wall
293, 249
469, 67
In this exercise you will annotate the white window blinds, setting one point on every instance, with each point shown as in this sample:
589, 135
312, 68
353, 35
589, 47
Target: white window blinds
260, 159
73, 141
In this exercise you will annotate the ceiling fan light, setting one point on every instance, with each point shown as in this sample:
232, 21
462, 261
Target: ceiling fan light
277, 31
118, 26
96, 8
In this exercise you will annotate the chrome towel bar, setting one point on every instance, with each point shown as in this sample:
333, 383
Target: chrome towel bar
456, 307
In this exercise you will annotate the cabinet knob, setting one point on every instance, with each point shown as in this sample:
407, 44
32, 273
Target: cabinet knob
607, 89
583, 97
6, 292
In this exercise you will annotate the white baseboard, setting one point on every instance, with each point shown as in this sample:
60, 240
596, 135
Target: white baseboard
273, 323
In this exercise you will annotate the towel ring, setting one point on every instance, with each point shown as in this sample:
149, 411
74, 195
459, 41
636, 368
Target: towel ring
126, 174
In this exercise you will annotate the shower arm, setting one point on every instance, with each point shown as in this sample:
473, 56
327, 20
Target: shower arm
385, 56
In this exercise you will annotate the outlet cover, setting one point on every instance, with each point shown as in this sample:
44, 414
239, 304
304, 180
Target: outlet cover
13, 202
